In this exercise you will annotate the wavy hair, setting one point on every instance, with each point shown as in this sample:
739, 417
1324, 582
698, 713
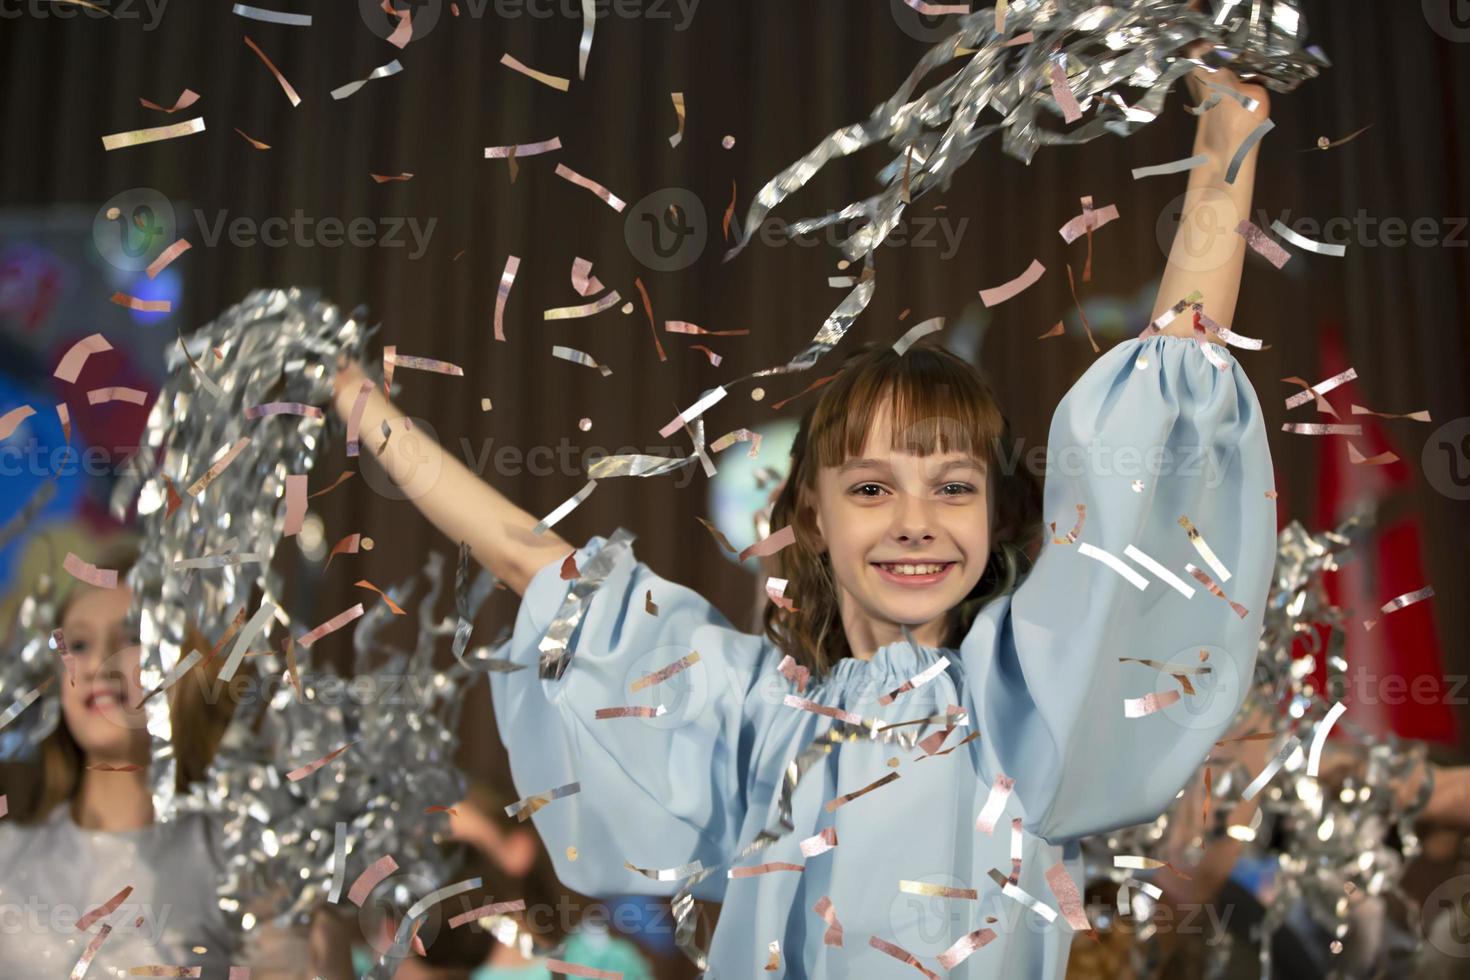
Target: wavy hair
938, 402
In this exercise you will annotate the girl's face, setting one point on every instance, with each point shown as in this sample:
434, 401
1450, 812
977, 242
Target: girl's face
907, 536
97, 702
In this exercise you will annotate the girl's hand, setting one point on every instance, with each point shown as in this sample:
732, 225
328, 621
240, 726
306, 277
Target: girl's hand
1223, 126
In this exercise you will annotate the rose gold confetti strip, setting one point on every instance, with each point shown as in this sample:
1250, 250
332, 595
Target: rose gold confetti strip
282, 408
1024, 897
1068, 897
484, 911
846, 798
771, 543
1323, 405
761, 869
631, 711
811, 387
773, 956
964, 947
521, 809
116, 393
738, 435
1225, 333
794, 672
1089, 220
1148, 704
167, 256
1209, 583
218, 467
819, 843
648, 310
104, 910
663, 674
917, 681
1262, 244
583, 310
1017, 848
507, 280
138, 137
413, 363
579, 357
569, 570
776, 592
611, 199
369, 879
382, 71
1076, 531
285, 85
1318, 429
729, 211
1061, 90
84, 964
995, 803
705, 402
667, 874
1158, 323
964, 741
833, 935
12, 419
164, 971
186, 98
1204, 549
143, 305
385, 178
296, 775
102, 578
678, 100
523, 149
714, 359
252, 140
999, 294
937, 891
883, 945
1206, 346
1382, 459
295, 504
791, 700
1321, 388
4, 805
583, 281
58, 643
1308, 244
1422, 416
332, 625
76, 356
341, 479
1080, 313
931, 743
681, 326
1399, 602
551, 81
393, 607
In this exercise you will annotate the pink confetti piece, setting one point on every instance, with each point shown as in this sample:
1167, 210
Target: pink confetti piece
965, 946
630, 711
507, 280
664, 673
1148, 704
85, 962
296, 775
335, 623
1319, 429
1262, 244
1209, 583
370, 878
794, 672
581, 310
285, 85
682, 326
1230, 337
1069, 897
4, 805
776, 592
611, 199
1090, 220
12, 419
101, 578
705, 402
819, 843
764, 869
995, 803
76, 357
403, 32
186, 98
999, 294
832, 805
771, 543
1421, 416
1205, 551
104, 910
902, 955
583, 281
1017, 849
833, 935
116, 393
917, 681
137, 137
1061, 90
485, 911
1076, 532
1322, 388
551, 81
167, 256
520, 150
1382, 459
295, 503
218, 467
412, 363
792, 701
1399, 602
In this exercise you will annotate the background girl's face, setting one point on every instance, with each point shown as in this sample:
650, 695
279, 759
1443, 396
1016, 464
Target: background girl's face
97, 703
885, 512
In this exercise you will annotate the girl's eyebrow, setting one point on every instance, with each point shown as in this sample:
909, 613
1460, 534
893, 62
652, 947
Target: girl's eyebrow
953, 464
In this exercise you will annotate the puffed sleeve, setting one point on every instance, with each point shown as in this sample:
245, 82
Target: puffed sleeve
1152, 432
658, 792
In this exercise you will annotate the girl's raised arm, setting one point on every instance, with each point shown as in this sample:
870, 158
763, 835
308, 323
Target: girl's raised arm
455, 500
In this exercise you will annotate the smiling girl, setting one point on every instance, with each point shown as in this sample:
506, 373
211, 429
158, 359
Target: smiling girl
907, 789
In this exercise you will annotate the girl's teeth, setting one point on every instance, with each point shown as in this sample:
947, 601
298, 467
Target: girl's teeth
915, 569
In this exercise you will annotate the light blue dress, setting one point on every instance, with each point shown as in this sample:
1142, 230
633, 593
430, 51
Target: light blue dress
1041, 674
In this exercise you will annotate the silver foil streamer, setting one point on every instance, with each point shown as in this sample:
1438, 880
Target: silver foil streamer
1137, 46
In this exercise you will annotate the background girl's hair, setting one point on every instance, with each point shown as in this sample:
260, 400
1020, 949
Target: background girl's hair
200, 708
940, 403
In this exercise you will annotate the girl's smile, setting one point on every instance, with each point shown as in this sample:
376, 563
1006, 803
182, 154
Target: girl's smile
913, 574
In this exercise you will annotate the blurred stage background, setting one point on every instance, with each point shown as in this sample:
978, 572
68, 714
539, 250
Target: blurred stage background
776, 77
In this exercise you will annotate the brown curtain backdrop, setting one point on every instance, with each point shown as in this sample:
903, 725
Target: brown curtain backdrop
777, 76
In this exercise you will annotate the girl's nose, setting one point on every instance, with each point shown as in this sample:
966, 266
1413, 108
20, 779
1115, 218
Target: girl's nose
912, 521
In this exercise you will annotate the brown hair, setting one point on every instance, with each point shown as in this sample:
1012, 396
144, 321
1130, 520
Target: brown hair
198, 721
938, 403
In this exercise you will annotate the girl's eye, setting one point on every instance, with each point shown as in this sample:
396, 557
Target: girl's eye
858, 490
963, 488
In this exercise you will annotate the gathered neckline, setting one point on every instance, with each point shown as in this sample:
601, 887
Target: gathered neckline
899, 660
